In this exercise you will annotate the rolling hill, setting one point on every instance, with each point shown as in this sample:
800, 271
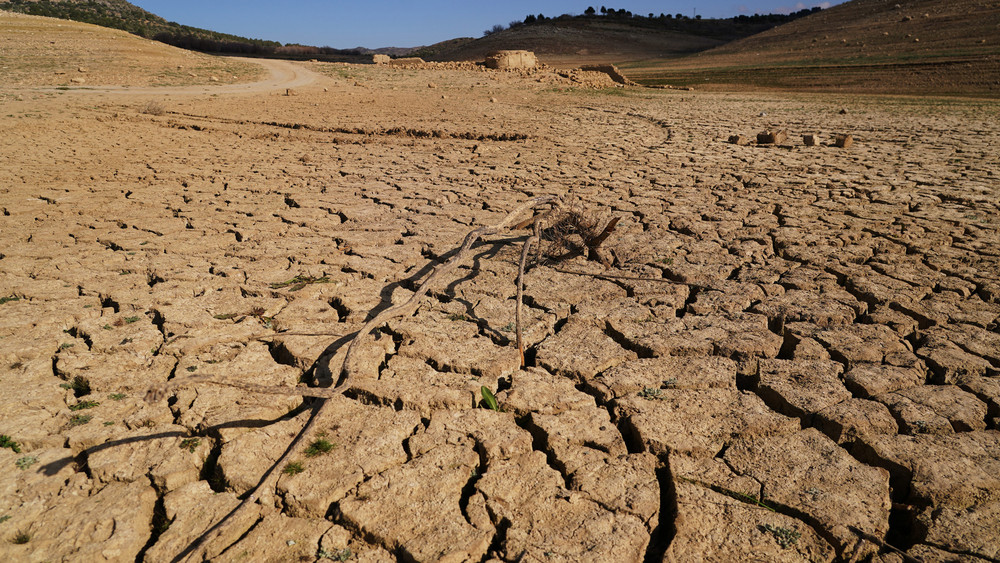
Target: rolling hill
881, 46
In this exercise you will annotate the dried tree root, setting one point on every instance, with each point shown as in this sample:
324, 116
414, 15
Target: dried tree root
197, 550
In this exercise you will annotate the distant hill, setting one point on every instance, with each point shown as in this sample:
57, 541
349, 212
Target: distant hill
120, 14
891, 46
617, 36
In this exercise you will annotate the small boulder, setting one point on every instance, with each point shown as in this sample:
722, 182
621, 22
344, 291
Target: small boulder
809, 140
739, 140
772, 137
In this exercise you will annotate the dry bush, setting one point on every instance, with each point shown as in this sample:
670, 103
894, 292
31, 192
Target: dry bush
153, 108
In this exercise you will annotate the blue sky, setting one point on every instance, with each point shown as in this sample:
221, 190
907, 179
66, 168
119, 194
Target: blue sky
401, 23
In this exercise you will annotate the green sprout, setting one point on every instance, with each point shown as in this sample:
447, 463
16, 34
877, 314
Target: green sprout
293, 468
26, 462
318, 447
7, 442
489, 399
84, 405
786, 537
190, 444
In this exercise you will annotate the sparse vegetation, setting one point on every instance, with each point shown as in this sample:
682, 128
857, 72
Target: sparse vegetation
21, 538
9, 299
786, 537
338, 555
190, 444
293, 468
84, 405
117, 396
320, 446
153, 108
79, 385
26, 462
651, 393
7, 442
80, 419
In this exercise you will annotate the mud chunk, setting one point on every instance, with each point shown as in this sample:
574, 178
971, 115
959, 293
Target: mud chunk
843, 140
663, 373
854, 419
772, 137
714, 527
801, 388
698, 422
808, 471
416, 508
579, 350
933, 409
870, 380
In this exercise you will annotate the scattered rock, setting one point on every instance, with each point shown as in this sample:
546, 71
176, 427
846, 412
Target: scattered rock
772, 137
739, 140
809, 140
843, 141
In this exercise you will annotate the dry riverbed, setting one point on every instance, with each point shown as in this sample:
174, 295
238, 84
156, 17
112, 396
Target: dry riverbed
793, 356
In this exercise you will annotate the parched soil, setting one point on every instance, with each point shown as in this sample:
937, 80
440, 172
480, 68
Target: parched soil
792, 355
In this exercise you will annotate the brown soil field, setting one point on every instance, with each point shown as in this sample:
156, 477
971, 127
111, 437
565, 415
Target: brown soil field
781, 353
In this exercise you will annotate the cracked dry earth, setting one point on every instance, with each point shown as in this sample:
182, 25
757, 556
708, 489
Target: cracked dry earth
809, 368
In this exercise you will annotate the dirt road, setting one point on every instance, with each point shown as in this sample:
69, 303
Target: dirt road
284, 75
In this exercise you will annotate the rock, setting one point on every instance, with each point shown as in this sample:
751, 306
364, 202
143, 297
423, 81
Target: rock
739, 140
772, 137
843, 141
290, 92
534, 390
213, 78
380, 59
81, 69
610, 70
809, 140
511, 60
78, 80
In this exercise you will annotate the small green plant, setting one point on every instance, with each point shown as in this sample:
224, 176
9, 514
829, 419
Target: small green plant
108, 423
80, 386
509, 327
191, 369
65, 345
82, 405
293, 468
5, 300
21, 538
457, 317
130, 320
7, 442
786, 537
921, 426
117, 396
4, 518
338, 555
651, 393
26, 462
318, 447
16, 365
669, 383
80, 419
107, 327
489, 399
190, 444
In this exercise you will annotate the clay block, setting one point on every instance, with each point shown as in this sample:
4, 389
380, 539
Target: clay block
809, 140
739, 140
844, 141
772, 137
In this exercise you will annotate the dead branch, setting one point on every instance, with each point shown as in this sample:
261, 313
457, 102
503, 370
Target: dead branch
197, 551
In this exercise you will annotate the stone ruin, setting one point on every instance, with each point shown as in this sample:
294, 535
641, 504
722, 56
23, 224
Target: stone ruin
511, 60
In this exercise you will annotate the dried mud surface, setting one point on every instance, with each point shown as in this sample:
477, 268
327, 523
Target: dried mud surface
810, 358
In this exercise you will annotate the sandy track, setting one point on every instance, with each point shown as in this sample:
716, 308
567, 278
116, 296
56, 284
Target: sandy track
284, 75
